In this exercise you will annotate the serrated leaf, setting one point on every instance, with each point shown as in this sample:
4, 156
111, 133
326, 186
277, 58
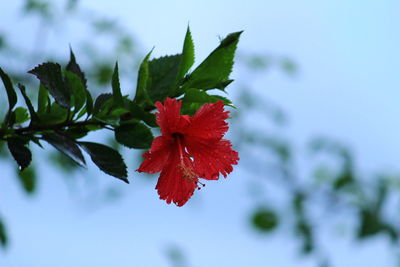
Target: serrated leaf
89, 103
11, 94
20, 152
135, 135
32, 112
117, 96
216, 68
141, 95
66, 146
74, 68
187, 59
21, 115
50, 76
162, 77
27, 178
107, 159
77, 89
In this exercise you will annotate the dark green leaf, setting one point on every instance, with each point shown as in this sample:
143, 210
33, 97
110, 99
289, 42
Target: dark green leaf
20, 152
32, 112
134, 136
107, 159
21, 115
28, 179
50, 76
214, 71
77, 89
11, 94
74, 67
66, 146
56, 114
118, 101
138, 113
187, 59
195, 98
370, 223
89, 103
265, 220
141, 96
163, 72
103, 104
43, 99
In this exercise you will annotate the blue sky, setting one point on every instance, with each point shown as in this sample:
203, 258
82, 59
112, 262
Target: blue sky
347, 87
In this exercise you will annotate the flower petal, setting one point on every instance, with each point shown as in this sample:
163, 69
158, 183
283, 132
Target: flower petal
169, 117
209, 121
158, 155
211, 157
172, 186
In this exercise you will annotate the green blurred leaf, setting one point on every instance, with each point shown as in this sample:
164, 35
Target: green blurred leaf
134, 135
214, 71
20, 152
3, 234
27, 178
187, 59
265, 220
51, 77
67, 146
117, 96
21, 115
107, 159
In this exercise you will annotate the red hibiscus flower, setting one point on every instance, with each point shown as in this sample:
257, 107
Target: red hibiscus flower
188, 149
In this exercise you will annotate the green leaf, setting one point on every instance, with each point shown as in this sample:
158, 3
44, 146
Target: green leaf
103, 104
187, 59
265, 220
11, 94
56, 114
195, 98
163, 72
89, 103
135, 135
32, 112
214, 71
27, 178
3, 234
20, 152
118, 101
141, 96
77, 89
107, 159
50, 76
74, 68
137, 112
21, 115
43, 99
67, 146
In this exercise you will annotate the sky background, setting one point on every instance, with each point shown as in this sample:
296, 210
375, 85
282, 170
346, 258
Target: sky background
347, 87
